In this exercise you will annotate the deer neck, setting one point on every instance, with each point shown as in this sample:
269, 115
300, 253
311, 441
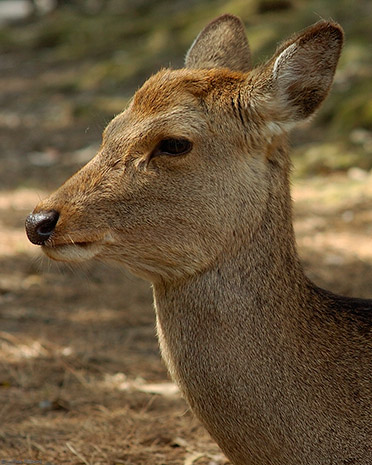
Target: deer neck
233, 325
250, 289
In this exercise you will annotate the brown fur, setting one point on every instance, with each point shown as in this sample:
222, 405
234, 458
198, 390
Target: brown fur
278, 371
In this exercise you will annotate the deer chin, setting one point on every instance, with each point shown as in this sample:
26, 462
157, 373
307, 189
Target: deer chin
74, 253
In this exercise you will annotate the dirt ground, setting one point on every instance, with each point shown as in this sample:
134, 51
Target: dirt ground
81, 379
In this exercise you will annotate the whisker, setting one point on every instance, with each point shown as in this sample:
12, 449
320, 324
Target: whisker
71, 239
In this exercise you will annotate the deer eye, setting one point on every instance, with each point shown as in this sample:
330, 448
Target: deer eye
172, 147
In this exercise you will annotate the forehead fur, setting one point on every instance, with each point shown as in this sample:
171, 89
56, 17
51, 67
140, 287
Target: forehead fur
168, 88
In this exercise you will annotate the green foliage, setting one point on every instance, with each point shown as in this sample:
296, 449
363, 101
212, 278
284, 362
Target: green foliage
329, 157
109, 53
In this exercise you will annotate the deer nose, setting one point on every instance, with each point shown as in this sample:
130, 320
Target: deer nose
40, 226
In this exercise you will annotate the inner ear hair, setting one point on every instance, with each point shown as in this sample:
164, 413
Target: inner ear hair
303, 68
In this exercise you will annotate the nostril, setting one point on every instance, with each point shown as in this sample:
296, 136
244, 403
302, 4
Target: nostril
46, 227
40, 226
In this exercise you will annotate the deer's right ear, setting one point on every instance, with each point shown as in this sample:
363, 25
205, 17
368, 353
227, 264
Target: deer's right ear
221, 44
294, 83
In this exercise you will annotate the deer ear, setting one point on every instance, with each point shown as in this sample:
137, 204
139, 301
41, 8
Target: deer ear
301, 72
221, 44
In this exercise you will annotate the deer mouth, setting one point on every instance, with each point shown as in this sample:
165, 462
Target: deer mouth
74, 251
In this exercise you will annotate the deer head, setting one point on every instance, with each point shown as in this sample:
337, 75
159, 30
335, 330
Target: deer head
192, 163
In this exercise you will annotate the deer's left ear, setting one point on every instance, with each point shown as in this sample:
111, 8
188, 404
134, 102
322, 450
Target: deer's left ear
298, 78
221, 44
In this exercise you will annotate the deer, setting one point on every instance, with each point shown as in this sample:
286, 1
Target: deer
190, 190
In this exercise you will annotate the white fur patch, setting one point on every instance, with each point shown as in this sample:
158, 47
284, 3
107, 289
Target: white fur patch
282, 58
276, 129
73, 252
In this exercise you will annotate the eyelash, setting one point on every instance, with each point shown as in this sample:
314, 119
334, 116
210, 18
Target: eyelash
172, 147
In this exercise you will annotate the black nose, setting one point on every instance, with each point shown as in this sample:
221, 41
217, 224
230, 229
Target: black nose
40, 226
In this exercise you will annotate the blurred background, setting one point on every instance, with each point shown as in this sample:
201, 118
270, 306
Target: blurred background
68, 66
81, 380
